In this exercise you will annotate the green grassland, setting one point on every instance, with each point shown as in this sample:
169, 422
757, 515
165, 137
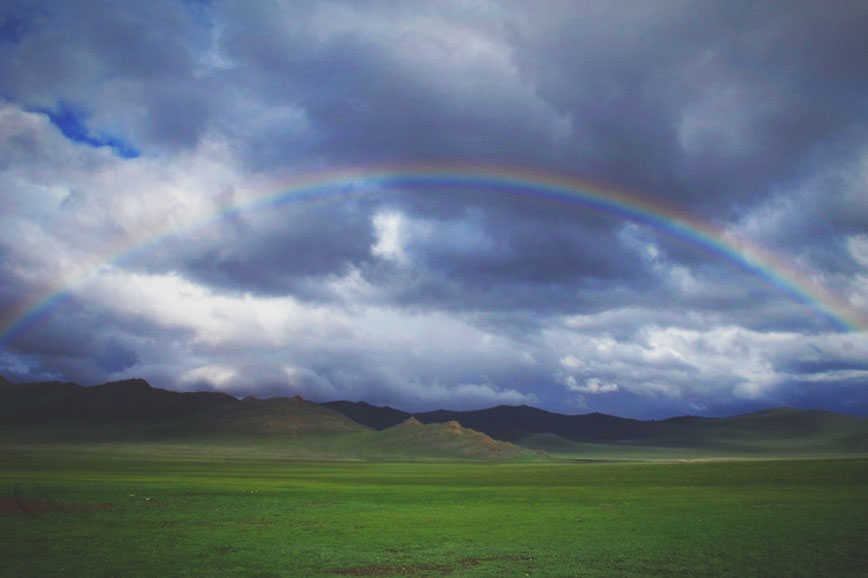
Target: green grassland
209, 510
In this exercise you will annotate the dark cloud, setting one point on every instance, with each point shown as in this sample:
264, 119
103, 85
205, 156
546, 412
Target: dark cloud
295, 244
131, 67
707, 103
416, 89
146, 121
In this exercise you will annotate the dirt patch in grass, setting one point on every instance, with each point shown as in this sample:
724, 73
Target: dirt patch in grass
394, 570
33, 502
420, 569
34, 507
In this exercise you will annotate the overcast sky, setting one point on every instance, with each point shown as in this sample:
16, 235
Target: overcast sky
127, 129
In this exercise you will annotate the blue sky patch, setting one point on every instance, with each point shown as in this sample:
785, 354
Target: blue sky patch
71, 121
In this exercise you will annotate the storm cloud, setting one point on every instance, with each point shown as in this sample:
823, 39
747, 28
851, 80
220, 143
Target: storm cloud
144, 149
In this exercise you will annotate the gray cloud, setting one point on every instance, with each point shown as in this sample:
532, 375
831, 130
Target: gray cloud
751, 120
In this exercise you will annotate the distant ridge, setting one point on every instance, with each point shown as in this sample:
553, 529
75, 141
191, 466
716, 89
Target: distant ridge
504, 422
514, 423
373, 416
279, 415
133, 409
776, 429
131, 401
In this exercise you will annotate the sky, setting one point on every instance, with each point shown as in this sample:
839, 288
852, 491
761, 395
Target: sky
643, 208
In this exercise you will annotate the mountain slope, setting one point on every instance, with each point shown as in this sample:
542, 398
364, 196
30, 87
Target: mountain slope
504, 422
773, 429
445, 439
131, 401
278, 415
776, 430
133, 408
513, 423
373, 416
133, 411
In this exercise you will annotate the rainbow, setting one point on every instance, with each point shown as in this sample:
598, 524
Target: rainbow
750, 256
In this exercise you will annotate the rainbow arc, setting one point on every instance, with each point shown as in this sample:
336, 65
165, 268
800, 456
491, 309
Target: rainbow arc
771, 267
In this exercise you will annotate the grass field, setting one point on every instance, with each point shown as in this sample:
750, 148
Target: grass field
141, 512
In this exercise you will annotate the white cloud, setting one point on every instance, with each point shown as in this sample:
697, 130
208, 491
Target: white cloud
214, 318
420, 356
857, 245
717, 362
404, 239
308, 383
72, 207
415, 393
592, 385
390, 230
216, 376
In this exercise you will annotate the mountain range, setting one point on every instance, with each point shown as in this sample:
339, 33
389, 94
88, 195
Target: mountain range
533, 427
134, 410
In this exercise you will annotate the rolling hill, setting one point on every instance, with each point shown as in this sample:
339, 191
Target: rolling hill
504, 422
133, 402
773, 430
446, 439
373, 416
134, 410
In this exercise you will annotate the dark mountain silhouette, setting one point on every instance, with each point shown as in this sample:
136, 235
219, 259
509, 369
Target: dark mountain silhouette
514, 423
779, 428
279, 415
131, 401
132, 409
373, 416
504, 422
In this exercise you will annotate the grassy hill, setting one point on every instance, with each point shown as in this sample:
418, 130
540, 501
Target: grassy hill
446, 439
278, 415
779, 429
133, 402
133, 411
774, 431
514, 423
504, 422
